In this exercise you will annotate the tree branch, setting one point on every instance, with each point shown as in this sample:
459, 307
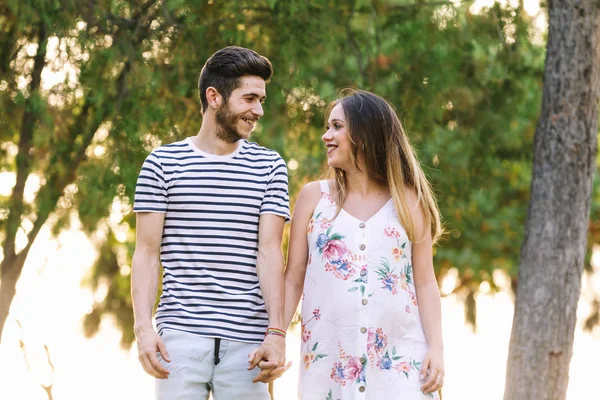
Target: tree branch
51, 192
24, 159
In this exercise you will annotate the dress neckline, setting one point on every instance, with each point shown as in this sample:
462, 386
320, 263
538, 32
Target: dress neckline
326, 190
372, 217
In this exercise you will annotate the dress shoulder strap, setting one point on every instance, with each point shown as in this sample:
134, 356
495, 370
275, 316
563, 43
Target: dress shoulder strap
324, 186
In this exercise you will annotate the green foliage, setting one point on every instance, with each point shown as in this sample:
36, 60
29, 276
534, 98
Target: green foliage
467, 86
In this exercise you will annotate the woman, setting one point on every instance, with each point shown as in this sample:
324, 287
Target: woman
360, 253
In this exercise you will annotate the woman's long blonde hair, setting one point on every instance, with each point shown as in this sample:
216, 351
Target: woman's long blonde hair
375, 130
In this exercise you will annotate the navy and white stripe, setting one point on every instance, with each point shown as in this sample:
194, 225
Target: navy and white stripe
212, 206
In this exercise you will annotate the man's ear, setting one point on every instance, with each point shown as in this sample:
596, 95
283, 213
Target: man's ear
213, 97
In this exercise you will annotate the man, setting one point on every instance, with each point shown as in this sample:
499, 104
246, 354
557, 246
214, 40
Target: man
211, 208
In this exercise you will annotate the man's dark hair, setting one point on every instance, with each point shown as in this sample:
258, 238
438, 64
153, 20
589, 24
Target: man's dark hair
224, 69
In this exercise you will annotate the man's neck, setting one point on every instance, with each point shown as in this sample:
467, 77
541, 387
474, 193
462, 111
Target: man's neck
208, 141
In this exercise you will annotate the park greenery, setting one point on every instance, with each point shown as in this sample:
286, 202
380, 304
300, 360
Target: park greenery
89, 88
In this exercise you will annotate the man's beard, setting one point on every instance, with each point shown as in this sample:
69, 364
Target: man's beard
226, 125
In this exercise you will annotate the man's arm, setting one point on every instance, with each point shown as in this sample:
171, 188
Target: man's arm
145, 270
269, 268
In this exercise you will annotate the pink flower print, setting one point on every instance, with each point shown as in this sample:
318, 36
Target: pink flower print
328, 197
397, 253
353, 369
391, 232
305, 334
334, 250
404, 367
407, 309
325, 223
317, 313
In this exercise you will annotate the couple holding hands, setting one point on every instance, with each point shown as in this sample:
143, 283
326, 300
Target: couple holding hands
211, 210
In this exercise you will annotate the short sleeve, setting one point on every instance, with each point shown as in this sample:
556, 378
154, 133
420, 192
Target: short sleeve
276, 200
151, 189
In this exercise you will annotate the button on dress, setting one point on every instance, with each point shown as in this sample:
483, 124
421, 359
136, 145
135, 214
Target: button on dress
362, 336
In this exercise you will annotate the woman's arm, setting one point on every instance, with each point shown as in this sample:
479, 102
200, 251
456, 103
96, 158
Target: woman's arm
428, 299
298, 248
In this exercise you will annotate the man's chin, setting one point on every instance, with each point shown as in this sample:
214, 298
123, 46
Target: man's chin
245, 134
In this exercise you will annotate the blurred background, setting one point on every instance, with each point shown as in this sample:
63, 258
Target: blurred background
88, 88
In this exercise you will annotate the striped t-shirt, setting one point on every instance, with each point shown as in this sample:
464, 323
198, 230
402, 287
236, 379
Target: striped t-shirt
210, 236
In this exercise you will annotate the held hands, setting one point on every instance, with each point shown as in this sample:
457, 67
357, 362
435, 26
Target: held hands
149, 343
432, 370
270, 358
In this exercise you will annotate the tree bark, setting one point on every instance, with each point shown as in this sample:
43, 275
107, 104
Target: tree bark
564, 162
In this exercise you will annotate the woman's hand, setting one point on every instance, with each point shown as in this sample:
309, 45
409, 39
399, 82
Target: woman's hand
432, 370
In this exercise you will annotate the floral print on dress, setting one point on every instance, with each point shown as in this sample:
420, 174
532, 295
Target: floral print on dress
389, 280
349, 369
391, 232
362, 281
355, 300
313, 355
305, 334
398, 252
380, 357
376, 343
330, 396
334, 251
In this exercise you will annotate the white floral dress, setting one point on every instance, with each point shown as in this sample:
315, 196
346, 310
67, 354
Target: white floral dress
362, 336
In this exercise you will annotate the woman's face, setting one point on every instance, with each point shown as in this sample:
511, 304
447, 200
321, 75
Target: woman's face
337, 140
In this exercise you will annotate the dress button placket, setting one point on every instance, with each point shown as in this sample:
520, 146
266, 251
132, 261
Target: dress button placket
362, 234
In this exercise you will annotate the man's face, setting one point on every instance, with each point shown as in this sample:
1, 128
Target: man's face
237, 118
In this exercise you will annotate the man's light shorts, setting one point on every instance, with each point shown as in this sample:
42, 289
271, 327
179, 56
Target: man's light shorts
195, 372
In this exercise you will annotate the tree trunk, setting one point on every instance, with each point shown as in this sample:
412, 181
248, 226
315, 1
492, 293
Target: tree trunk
552, 256
12, 264
10, 268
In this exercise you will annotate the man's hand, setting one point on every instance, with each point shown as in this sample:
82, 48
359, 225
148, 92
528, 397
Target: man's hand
275, 372
270, 358
149, 343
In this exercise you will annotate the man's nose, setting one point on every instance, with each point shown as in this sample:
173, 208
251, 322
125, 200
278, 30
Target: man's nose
258, 110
